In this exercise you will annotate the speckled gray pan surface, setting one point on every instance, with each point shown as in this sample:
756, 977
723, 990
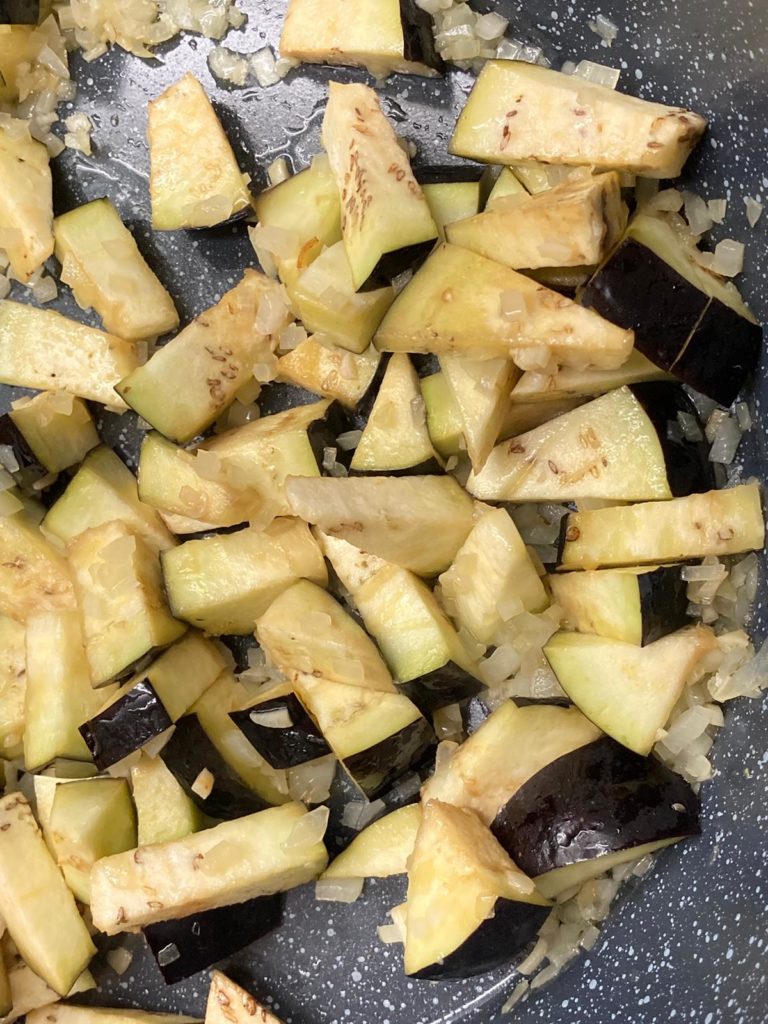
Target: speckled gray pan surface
690, 942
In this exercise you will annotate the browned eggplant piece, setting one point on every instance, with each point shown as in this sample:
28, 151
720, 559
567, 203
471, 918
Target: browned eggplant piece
191, 944
283, 746
592, 809
189, 752
125, 725
689, 470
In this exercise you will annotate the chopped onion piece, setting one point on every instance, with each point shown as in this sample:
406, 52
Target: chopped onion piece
717, 209
275, 718
308, 830
729, 258
605, 28
119, 959
725, 441
600, 74
754, 210
697, 213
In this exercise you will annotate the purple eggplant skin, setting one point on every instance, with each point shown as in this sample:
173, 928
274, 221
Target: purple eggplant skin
495, 942
288, 747
392, 264
599, 799
637, 289
446, 685
187, 753
425, 364
126, 725
11, 436
377, 769
663, 603
210, 936
474, 712
323, 433
722, 354
689, 470
419, 37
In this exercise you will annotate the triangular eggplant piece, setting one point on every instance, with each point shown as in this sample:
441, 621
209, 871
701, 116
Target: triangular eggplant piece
230, 1004
459, 301
481, 389
389, 516
628, 691
396, 440
377, 736
469, 906
607, 449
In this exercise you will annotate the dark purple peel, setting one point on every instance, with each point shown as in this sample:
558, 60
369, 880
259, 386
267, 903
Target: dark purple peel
721, 355
637, 289
378, 768
689, 470
495, 942
449, 174
446, 685
126, 725
663, 603
418, 36
430, 467
187, 753
597, 800
287, 747
202, 940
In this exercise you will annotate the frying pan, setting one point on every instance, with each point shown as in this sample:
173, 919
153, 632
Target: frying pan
689, 943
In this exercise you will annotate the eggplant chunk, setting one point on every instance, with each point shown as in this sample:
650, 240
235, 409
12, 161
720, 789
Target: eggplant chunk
57, 427
389, 516
678, 310
396, 440
384, 37
450, 201
444, 420
381, 849
119, 585
188, 754
461, 302
224, 583
481, 390
377, 736
492, 571
427, 657
230, 1004
209, 361
591, 810
510, 747
388, 211
194, 180
104, 491
101, 262
231, 863
128, 722
38, 909
227, 864
567, 383
507, 184
64, 1013
89, 819
42, 349
305, 629
607, 449
469, 908
726, 522
519, 112
329, 306
281, 730
628, 691
571, 225
163, 809
306, 212
34, 575
208, 936
26, 200
334, 373
637, 606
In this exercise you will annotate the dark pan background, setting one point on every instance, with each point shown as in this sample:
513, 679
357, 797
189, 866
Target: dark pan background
690, 942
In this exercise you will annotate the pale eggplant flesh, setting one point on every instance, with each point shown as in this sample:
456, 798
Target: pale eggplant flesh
498, 939
125, 725
598, 800
282, 747
188, 752
191, 944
